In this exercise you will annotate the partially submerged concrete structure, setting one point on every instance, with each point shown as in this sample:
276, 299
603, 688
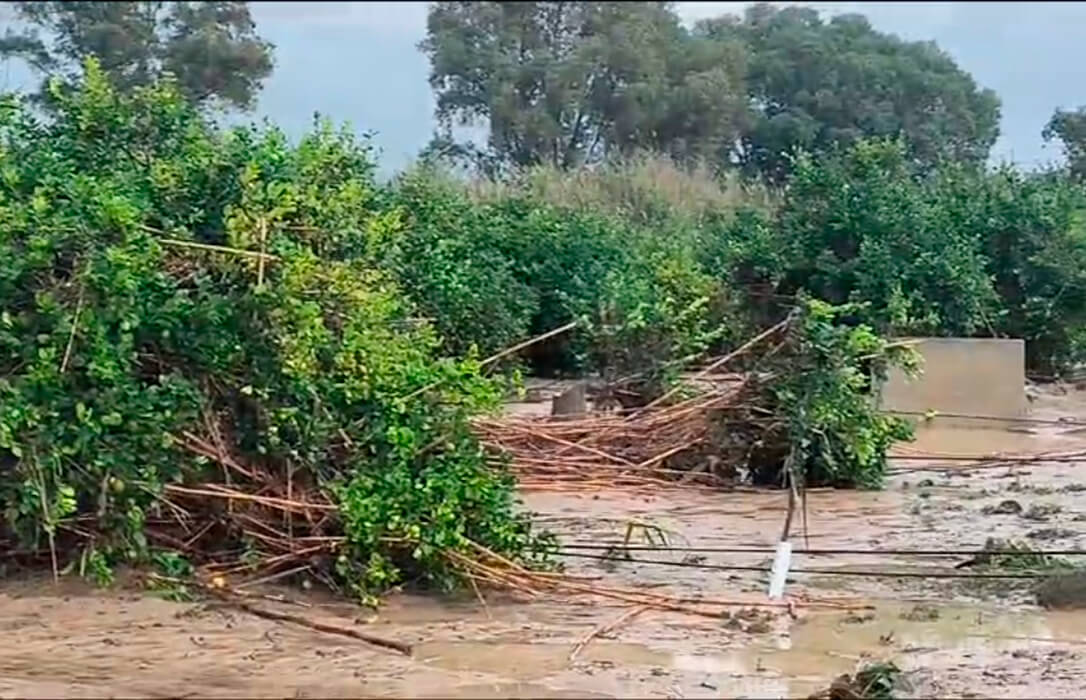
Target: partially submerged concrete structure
962, 377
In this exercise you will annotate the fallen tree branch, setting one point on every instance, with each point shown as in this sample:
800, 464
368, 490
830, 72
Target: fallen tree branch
374, 640
601, 630
234, 599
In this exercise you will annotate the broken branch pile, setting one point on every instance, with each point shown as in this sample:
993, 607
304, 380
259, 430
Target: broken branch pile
642, 447
800, 400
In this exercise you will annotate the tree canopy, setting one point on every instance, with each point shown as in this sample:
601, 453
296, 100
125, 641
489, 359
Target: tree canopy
567, 83
816, 83
211, 48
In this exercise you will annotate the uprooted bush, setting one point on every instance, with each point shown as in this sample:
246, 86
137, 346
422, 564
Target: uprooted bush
808, 407
197, 356
796, 401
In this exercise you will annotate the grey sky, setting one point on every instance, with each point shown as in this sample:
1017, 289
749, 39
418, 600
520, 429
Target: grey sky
358, 62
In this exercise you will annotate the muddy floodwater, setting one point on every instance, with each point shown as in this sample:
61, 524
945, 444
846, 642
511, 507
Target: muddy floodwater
953, 637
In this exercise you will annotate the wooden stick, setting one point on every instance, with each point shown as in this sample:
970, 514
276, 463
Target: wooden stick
664, 455
605, 629
585, 448
71, 335
201, 447
265, 500
225, 596
520, 346
494, 358
217, 248
722, 361
479, 595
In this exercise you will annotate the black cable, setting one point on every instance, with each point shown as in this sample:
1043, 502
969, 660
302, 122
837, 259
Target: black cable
823, 572
813, 552
1037, 421
997, 459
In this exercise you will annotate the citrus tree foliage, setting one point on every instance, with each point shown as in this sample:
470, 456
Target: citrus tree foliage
115, 340
656, 310
1033, 231
835, 433
491, 267
955, 252
860, 227
210, 47
816, 84
568, 83
448, 260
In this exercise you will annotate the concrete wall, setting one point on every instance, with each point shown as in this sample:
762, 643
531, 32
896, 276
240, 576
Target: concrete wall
970, 376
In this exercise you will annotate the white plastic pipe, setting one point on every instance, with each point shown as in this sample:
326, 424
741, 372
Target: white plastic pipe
781, 562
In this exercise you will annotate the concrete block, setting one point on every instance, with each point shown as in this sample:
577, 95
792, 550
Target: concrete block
965, 376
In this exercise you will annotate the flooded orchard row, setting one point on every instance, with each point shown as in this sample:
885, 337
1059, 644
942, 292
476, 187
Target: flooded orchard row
953, 637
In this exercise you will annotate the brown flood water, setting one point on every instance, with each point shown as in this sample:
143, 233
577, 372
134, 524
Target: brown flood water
954, 638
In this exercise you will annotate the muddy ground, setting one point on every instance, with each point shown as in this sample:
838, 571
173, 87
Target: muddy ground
955, 638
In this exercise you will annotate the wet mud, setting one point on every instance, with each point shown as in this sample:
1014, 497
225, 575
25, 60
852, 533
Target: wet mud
952, 637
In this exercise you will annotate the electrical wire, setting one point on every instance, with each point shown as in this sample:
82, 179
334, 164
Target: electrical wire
996, 459
822, 572
603, 546
1070, 422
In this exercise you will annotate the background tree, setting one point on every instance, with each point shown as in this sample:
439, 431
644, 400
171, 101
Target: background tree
1069, 127
817, 83
567, 83
211, 47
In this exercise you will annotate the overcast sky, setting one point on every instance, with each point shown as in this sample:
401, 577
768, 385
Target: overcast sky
359, 62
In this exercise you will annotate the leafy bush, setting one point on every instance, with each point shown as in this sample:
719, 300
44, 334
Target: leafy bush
448, 260
836, 434
811, 410
745, 249
640, 294
654, 313
121, 342
1033, 232
955, 252
493, 268
564, 256
494, 261
860, 227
